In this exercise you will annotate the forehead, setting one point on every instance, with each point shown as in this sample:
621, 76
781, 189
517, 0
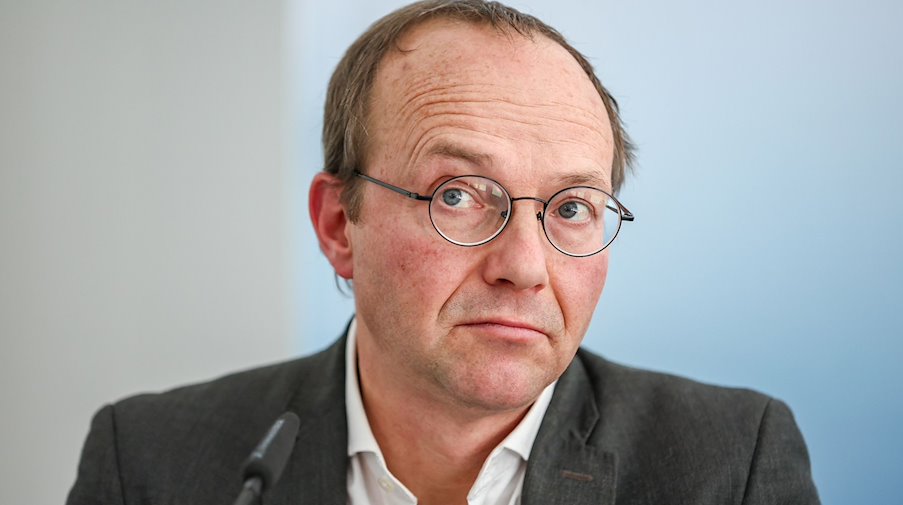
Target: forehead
472, 85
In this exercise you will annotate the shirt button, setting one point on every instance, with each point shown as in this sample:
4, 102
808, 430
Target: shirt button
386, 484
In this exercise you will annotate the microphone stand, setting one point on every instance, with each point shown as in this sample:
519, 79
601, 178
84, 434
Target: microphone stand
264, 466
250, 492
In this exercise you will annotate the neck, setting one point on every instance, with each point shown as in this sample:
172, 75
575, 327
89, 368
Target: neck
435, 447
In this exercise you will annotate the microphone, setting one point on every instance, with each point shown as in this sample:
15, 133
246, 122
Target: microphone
265, 464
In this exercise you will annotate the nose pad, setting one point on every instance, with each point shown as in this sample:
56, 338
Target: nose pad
504, 214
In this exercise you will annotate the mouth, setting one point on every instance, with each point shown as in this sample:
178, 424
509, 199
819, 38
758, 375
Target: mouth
506, 329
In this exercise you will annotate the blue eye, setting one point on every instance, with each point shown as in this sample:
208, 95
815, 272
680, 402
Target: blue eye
568, 210
451, 197
457, 198
574, 211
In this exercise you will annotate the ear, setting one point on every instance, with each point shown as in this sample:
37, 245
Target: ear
331, 222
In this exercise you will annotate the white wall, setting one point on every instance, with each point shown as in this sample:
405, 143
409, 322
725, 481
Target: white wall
146, 212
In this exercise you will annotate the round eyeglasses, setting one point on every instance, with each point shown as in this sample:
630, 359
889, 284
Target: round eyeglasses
471, 210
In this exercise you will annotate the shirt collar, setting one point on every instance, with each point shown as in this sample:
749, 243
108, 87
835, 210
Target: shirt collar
360, 436
521, 438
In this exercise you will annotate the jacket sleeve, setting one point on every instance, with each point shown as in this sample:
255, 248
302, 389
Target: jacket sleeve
779, 473
98, 481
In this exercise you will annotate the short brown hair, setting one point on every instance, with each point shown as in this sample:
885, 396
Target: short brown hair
351, 85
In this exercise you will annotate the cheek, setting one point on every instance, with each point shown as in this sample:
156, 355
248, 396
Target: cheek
414, 257
431, 272
410, 270
579, 288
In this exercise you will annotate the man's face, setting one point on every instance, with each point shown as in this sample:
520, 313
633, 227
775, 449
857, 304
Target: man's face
484, 327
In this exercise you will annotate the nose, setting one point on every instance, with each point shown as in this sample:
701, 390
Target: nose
517, 257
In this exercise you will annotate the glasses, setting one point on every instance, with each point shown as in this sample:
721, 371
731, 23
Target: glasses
471, 210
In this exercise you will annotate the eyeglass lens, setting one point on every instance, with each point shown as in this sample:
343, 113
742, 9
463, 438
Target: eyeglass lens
472, 210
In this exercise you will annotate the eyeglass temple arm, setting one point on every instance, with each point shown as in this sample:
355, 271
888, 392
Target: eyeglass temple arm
626, 215
409, 194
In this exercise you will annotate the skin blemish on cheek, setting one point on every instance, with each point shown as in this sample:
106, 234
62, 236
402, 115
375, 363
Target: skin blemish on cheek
428, 255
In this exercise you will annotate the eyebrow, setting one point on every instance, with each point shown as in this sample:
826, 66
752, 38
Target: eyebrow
457, 151
583, 179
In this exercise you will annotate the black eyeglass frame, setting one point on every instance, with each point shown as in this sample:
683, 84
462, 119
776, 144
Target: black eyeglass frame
622, 211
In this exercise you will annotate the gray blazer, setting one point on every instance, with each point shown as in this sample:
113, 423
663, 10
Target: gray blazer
611, 435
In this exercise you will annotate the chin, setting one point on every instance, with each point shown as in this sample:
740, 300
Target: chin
502, 388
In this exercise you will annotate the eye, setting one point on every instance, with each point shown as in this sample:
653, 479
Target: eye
575, 211
458, 198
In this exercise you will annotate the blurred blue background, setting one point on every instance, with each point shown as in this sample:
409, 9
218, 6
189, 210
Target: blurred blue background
766, 251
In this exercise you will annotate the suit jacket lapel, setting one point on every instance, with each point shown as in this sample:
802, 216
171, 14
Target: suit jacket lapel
564, 467
317, 471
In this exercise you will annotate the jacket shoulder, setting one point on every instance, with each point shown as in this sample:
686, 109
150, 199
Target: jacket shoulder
647, 393
191, 441
227, 395
716, 444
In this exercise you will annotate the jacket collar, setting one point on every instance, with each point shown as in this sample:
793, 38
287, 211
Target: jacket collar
565, 466
317, 471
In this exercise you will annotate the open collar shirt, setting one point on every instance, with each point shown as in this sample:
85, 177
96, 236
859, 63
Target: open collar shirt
370, 482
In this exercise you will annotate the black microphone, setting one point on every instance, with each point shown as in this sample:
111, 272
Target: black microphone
265, 464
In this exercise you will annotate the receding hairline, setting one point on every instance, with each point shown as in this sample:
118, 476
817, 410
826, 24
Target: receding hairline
345, 137
402, 44
450, 19
420, 34
406, 42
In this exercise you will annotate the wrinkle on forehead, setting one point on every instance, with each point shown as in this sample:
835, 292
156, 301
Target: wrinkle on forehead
469, 105
431, 96
508, 87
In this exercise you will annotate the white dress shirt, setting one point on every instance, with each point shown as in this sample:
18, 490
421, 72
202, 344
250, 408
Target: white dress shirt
370, 482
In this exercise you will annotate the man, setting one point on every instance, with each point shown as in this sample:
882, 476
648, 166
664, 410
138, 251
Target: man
471, 162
